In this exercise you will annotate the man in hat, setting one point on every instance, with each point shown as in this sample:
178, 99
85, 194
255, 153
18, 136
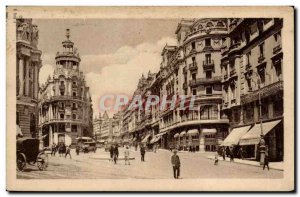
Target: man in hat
176, 164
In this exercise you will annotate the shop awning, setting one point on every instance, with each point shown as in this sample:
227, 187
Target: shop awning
145, 139
155, 139
209, 131
176, 135
162, 133
235, 135
193, 132
253, 136
182, 133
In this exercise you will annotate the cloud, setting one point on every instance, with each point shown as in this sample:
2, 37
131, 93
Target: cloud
118, 73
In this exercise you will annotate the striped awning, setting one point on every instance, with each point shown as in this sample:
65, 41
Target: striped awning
193, 132
176, 135
209, 131
155, 139
145, 139
235, 135
183, 133
253, 136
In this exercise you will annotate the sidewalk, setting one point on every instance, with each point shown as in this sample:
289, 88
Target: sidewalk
272, 165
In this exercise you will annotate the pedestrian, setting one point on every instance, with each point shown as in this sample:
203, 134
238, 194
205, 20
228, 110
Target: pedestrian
68, 152
115, 154
111, 152
176, 164
266, 160
241, 153
216, 159
60, 150
126, 155
224, 153
53, 149
77, 150
231, 155
143, 151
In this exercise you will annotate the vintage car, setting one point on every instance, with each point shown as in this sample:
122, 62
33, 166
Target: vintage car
28, 152
89, 146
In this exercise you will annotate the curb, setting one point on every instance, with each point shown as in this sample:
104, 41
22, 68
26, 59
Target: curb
279, 169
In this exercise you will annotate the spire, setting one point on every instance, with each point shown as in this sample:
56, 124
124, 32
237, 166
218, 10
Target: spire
68, 33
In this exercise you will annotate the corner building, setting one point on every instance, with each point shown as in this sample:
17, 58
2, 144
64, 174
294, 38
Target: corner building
65, 107
28, 66
194, 68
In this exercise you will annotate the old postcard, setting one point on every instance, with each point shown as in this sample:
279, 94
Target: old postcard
150, 99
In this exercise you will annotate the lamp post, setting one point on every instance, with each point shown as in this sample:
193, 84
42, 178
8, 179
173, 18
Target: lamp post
262, 143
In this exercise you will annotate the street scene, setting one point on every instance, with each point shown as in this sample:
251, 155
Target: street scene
149, 98
156, 166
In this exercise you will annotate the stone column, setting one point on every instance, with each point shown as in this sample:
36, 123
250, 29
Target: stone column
27, 78
201, 142
36, 81
70, 88
56, 88
256, 112
21, 75
219, 112
270, 108
50, 135
241, 116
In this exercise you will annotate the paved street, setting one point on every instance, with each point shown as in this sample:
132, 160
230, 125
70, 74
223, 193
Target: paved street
156, 166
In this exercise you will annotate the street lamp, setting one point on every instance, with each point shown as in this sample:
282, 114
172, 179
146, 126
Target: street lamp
262, 143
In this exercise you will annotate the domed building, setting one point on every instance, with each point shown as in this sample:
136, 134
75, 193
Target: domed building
65, 109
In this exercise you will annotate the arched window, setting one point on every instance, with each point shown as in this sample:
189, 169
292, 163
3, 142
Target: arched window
220, 24
209, 24
200, 27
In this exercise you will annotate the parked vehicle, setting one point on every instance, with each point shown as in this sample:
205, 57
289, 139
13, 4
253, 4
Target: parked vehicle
89, 146
28, 152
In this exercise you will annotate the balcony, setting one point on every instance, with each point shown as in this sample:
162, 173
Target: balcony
193, 66
203, 80
232, 72
266, 91
74, 85
248, 66
277, 49
233, 101
261, 58
184, 86
62, 87
225, 76
208, 65
234, 46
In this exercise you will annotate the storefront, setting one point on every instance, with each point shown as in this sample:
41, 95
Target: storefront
273, 136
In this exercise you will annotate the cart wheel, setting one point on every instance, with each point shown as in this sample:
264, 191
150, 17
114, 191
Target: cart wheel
42, 161
21, 161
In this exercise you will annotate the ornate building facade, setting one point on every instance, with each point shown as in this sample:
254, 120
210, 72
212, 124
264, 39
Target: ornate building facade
27, 77
65, 107
232, 67
252, 79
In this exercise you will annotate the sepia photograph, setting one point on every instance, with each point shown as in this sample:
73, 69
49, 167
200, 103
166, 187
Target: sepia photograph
132, 99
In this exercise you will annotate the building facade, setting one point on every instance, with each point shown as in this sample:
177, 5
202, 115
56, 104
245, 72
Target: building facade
253, 84
233, 69
65, 107
28, 66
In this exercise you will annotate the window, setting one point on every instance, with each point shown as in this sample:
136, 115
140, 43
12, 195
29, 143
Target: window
220, 24
194, 91
208, 58
248, 55
208, 90
207, 42
193, 59
208, 74
74, 128
193, 45
209, 24
209, 112
74, 94
278, 71
261, 73
74, 116
194, 76
62, 116
277, 37
261, 50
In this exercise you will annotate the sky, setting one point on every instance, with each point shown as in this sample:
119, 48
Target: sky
114, 52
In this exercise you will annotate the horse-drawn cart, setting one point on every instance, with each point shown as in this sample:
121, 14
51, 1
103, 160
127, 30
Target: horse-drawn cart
28, 152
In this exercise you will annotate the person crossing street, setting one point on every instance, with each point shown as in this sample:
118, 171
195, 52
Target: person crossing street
176, 164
